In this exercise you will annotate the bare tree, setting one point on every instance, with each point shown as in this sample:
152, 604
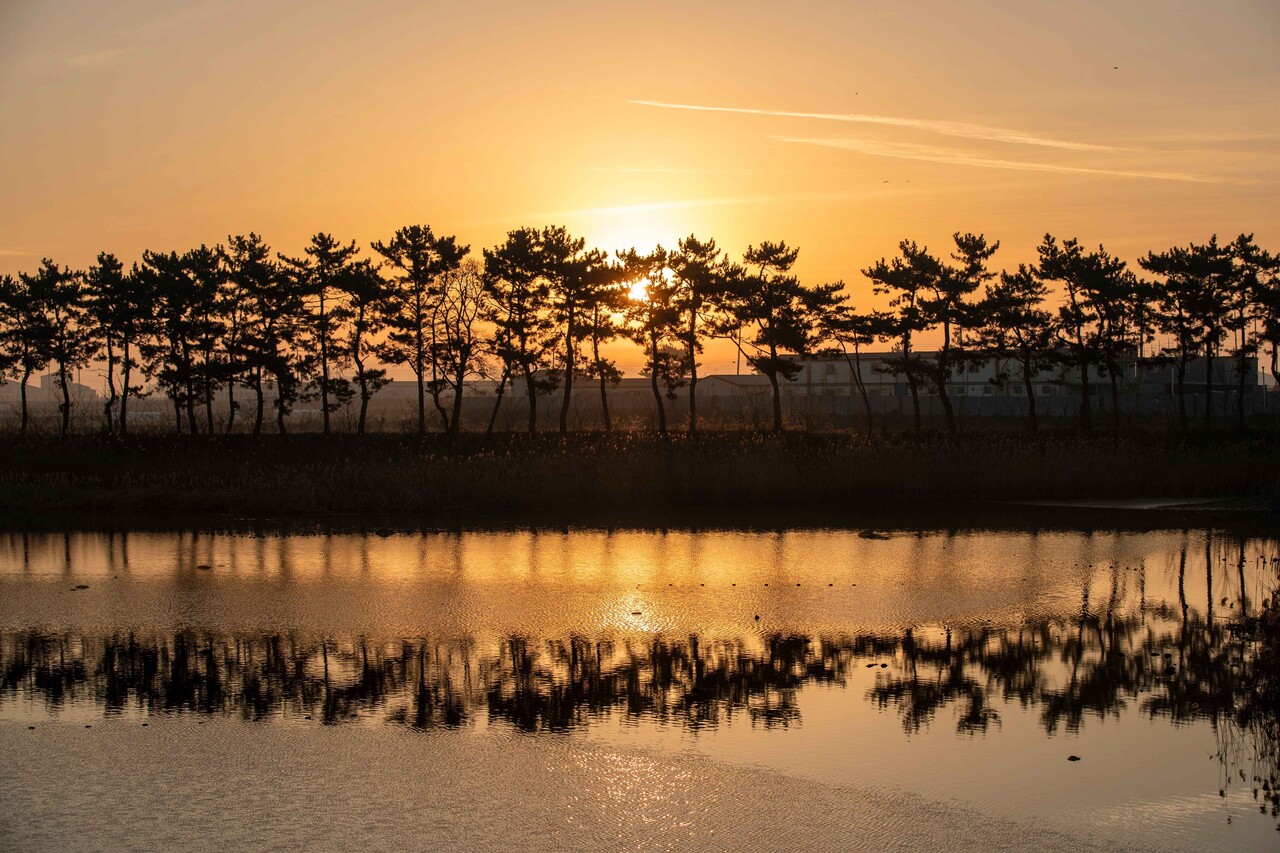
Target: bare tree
458, 351
418, 259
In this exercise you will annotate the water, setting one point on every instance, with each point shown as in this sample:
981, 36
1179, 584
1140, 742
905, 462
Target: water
807, 689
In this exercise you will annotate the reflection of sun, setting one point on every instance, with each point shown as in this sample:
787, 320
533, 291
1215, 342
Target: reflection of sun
638, 291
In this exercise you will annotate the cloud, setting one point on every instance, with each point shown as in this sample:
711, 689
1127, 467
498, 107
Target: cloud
945, 128
106, 56
13, 253
639, 170
954, 157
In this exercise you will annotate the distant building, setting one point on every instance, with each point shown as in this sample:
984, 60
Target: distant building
43, 389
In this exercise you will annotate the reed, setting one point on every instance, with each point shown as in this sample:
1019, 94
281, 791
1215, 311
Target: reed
513, 472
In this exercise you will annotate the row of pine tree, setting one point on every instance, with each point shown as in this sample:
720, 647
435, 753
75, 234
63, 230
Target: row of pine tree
238, 328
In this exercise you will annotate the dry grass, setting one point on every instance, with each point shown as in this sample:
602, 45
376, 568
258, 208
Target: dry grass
395, 474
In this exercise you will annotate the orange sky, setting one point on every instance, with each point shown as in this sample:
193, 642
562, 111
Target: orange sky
841, 127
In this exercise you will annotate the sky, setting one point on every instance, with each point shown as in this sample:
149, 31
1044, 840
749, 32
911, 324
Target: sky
840, 127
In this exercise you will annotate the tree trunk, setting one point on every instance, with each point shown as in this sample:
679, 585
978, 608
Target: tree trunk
1240, 369
124, 391
604, 406
280, 413
231, 393
422, 401
1208, 386
943, 374
66, 397
1032, 420
531, 391
855, 368
604, 395
911, 378
324, 364
941, 384
497, 403
208, 406
177, 412
1182, 391
653, 381
260, 411
569, 359
777, 401
364, 398
191, 408
190, 401
109, 406
459, 381
1275, 364
693, 370
26, 377
773, 381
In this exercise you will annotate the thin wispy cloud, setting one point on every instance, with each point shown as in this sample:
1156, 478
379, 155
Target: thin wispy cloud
13, 253
953, 157
660, 170
636, 170
106, 56
945, 128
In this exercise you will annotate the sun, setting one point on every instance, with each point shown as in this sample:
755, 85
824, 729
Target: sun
638, 291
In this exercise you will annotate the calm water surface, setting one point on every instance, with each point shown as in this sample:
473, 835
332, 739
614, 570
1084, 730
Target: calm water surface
822, 689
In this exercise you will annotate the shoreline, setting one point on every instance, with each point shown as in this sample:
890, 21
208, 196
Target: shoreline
725, 480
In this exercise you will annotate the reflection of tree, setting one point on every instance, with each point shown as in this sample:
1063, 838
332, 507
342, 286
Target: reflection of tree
695, 683
532, 685
1069, 670
1167, 662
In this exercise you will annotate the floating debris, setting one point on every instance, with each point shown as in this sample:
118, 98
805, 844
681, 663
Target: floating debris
1073, 758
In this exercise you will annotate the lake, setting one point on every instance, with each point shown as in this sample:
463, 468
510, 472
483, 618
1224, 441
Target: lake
828, 688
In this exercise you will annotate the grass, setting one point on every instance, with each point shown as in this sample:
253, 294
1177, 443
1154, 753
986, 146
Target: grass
626, 471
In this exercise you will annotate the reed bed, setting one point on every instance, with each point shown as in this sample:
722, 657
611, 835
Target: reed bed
396, 474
